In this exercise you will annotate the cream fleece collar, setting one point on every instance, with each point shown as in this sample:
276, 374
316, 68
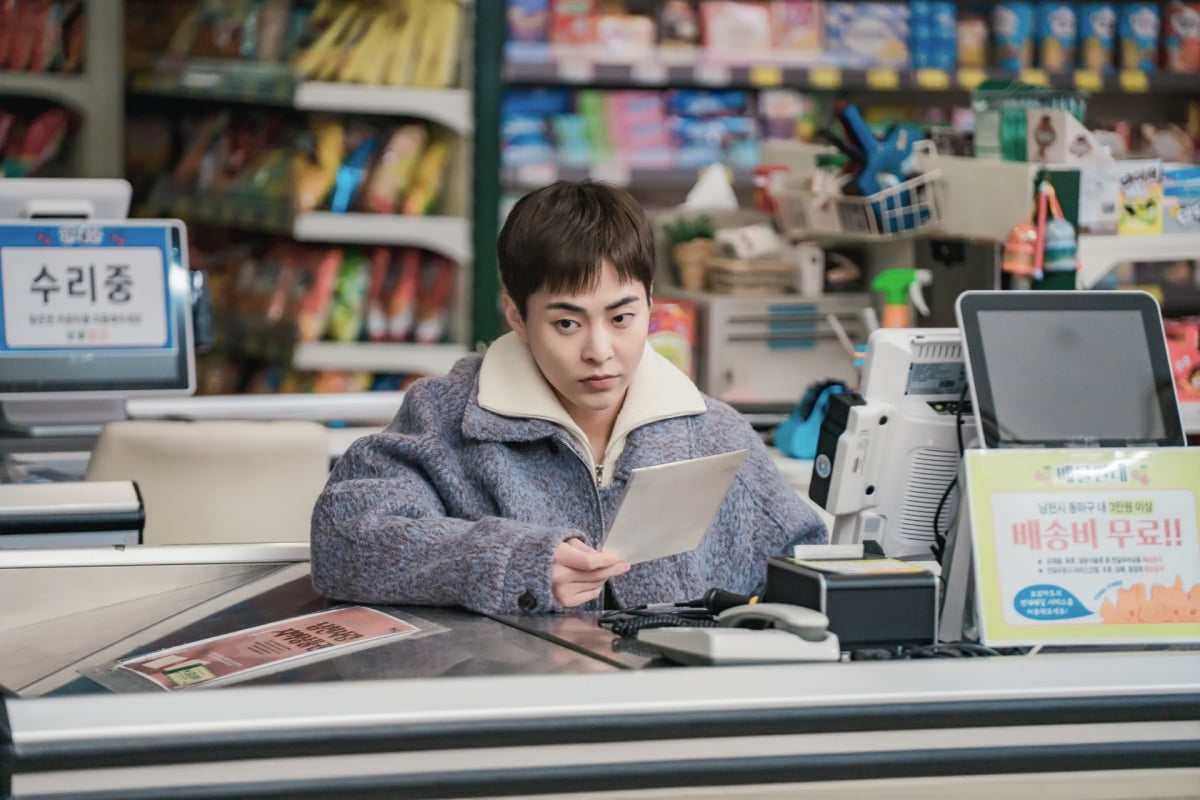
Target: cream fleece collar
510, 384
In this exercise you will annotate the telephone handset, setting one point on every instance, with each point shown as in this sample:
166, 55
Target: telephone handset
759, 633
807, 623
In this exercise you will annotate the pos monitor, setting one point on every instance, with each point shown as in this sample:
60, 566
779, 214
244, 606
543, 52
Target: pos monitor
1069, 369
91, 313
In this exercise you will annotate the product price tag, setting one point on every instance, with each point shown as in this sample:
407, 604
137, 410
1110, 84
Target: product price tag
883, 79
1034, 77
711, 74
933, 79
1134, 80
970, 77
649, 72
1088, 80
576, 70
825, 78
83, 296
765, 76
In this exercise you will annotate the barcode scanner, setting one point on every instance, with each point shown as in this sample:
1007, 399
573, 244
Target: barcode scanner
717, 600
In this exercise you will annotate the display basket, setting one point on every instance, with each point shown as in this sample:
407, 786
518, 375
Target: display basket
905, 209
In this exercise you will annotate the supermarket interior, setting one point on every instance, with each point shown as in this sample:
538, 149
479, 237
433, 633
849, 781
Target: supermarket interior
850, 203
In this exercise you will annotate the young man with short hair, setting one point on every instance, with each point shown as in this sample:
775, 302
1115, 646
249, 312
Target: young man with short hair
495, 485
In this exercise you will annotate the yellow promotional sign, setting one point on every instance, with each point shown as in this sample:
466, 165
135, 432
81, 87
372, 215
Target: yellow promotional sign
1085, 546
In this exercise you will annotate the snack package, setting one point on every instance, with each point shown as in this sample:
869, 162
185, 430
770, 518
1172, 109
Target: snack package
433, 302
679, 24
392, 177
349, 298
1141, 196
673, 332
1056, 34
528, 20
867, 34
571, 22
736, 29
933, 38
400, 300
1139, 32
1097, 35
972, 35
1182, 37
312, 317
797, 30
1012, 35
375, 318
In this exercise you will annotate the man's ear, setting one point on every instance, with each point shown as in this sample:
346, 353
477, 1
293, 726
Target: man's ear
512, 315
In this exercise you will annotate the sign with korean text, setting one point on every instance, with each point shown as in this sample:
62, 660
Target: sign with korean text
1085, 546
83, 286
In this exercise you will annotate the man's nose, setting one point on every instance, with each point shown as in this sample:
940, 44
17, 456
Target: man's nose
598, 348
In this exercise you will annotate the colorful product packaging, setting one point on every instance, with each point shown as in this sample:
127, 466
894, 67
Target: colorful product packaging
797, 28
736, 31
528, 20
933, 38
971, 31
678, 24
867, 34
1182, 37
1056, 35
571, 22
1012, 35
1141, 197
673, 332
1139, 30
1097, 35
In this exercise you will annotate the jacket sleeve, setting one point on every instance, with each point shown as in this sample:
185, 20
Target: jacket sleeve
381, 534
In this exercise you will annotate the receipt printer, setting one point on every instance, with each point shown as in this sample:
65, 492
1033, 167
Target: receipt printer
870, 602
70, 514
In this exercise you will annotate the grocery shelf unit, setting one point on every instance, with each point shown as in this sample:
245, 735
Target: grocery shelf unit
449, 234
95, 149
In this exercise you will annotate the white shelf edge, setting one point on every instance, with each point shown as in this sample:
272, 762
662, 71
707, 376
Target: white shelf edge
450, 236
351, 406
450, 107
431, 359
1098, 255
69, 88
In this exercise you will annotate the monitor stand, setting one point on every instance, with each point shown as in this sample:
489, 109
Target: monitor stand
77, 417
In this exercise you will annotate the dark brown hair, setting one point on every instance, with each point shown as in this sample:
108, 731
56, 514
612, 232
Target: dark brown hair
555, 239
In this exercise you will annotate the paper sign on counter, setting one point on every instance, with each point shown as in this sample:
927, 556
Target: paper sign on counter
670, 507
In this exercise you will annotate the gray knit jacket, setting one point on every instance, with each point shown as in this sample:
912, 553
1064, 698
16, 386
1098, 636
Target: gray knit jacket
456, 504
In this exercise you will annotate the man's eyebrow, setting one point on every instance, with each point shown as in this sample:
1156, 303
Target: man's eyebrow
561, 305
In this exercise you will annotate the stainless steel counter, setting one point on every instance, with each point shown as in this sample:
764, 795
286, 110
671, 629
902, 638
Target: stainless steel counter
487, 709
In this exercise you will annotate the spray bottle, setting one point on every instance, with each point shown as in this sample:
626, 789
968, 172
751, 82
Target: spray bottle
899, 287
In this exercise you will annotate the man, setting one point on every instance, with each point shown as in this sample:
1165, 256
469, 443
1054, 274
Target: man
494, 486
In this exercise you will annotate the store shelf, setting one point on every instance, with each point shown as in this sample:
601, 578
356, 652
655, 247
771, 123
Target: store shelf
449, 107
450, 236
69, 89
427, 359
531, 176
698, 72
276, 84
1098, 255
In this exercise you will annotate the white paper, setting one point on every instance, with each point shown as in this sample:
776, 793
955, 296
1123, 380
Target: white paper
670, 507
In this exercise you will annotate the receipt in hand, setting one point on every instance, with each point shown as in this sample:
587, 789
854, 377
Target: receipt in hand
669, 507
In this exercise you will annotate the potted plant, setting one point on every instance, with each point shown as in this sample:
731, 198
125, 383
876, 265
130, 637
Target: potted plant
692, 244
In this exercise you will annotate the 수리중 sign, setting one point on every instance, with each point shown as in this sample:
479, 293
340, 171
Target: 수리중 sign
1085, 546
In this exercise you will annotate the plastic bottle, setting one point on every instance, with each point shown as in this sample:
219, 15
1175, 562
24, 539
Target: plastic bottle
900, 287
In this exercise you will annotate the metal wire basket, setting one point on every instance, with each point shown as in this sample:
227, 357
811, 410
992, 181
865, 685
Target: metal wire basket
901, 210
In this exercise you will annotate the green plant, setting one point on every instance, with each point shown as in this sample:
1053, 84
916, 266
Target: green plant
686, 229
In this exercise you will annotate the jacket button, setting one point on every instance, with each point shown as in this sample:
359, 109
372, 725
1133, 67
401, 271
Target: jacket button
527, 602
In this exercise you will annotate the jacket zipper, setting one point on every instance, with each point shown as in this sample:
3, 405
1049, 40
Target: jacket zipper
599, 471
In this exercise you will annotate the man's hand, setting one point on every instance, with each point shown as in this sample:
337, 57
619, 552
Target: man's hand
578, 572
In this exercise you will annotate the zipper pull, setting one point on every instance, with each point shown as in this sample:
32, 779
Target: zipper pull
599, 475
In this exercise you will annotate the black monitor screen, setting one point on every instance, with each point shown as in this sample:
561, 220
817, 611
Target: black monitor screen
1070, 369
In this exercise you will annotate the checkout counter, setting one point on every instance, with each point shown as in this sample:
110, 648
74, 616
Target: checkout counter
547, 705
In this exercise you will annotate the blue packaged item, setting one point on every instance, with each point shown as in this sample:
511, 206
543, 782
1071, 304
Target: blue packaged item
1097, 35
350, 174
796, 436
1012, 35
1057, 35
1138, 30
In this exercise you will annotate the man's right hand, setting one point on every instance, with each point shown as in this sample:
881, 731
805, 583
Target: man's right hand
578, 572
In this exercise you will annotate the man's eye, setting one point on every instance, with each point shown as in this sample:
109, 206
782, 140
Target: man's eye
566, 324
623, 319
